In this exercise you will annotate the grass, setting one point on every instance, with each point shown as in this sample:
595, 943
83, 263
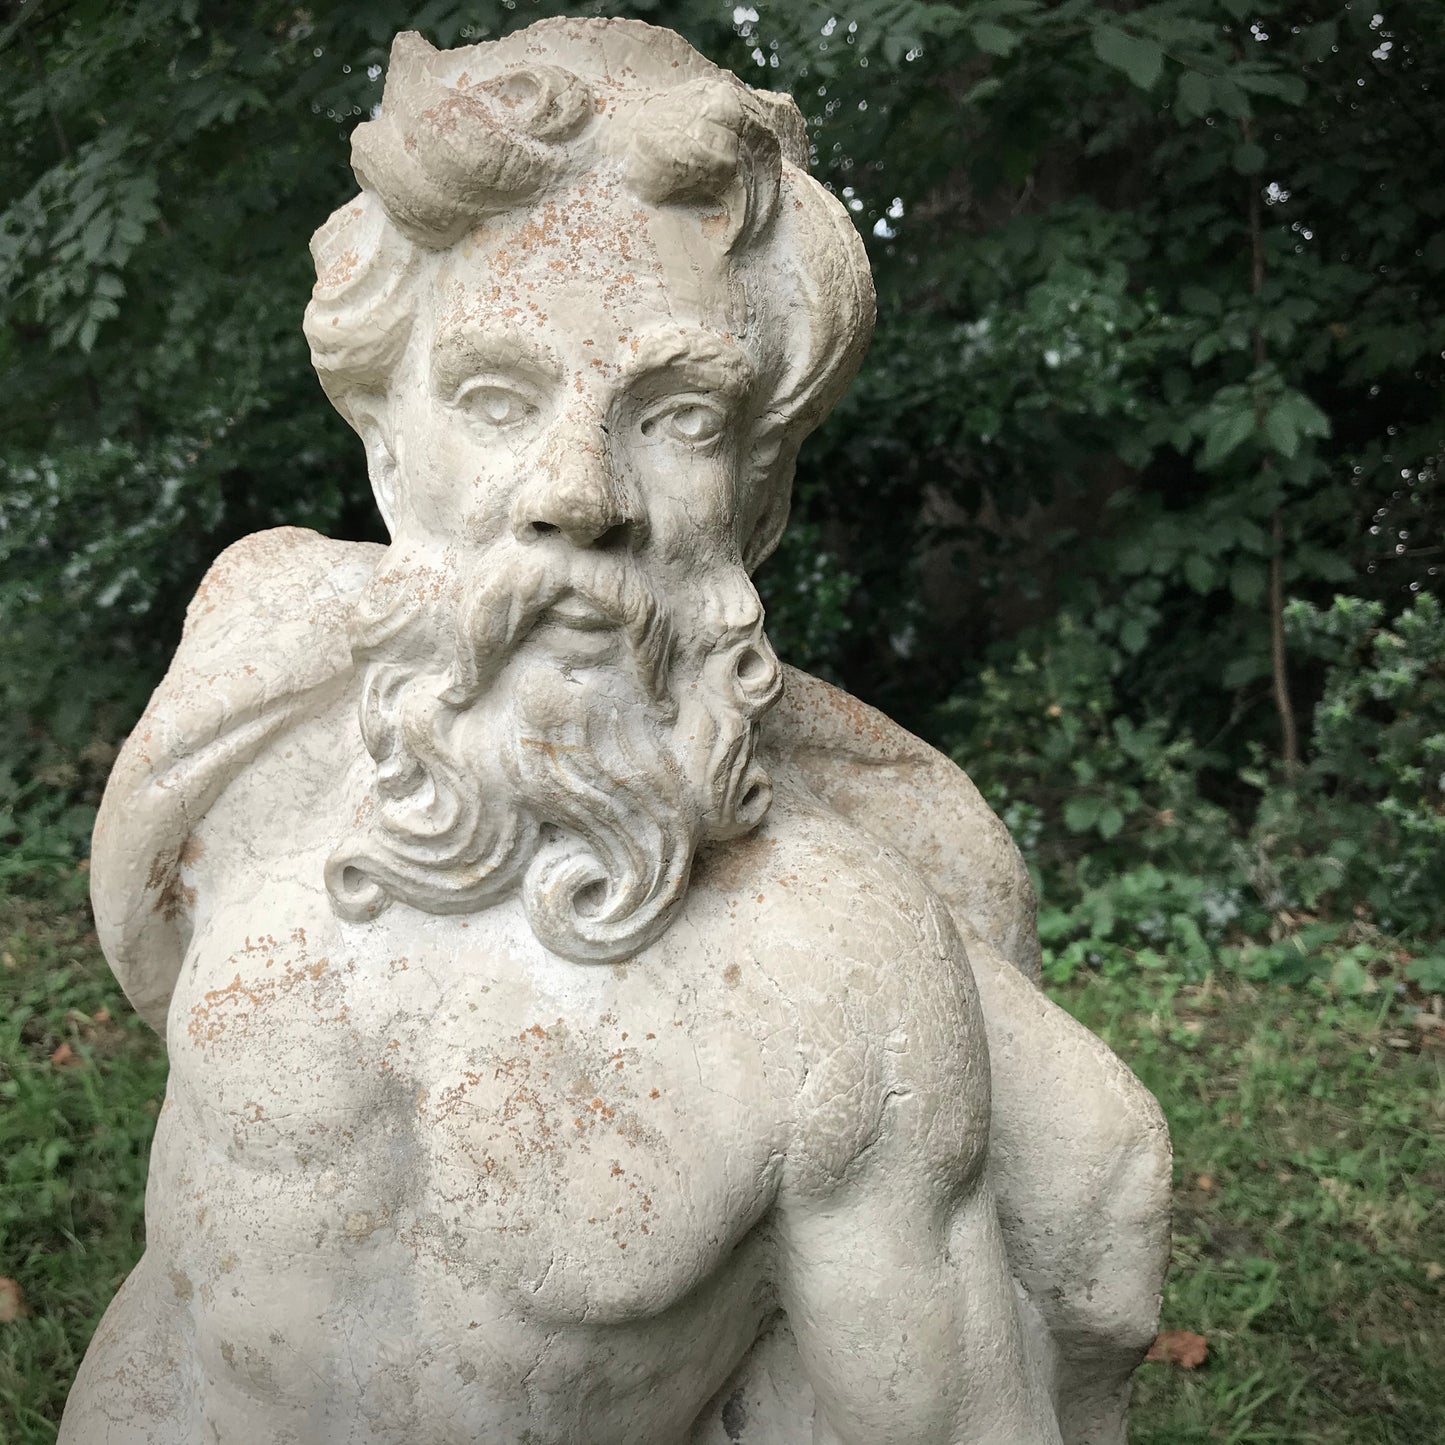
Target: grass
74, 1140
1309, 1209
1309, 1141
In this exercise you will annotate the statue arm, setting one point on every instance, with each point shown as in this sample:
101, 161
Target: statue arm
894, 1274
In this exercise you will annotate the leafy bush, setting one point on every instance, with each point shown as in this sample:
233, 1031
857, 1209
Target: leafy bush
1087, 789
1337, 871
1363, 827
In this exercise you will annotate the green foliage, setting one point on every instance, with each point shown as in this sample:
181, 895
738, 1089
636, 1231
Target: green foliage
806, 594
1336, 873
74, 1134
1364, 825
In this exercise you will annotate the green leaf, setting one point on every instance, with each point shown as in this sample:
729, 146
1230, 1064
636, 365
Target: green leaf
990, 85
1195, 96
1206, 348
1316, 41
1111, 820
994, 39
1348, 977
1279, 431
1080, 814
1198, 572
1306, 417
1239, 671
1200, 300
1246, 581
1133, 636
1288, 88
1225, 436
95, 238
1139, 58
1428, 971
1249, 158
1231, 99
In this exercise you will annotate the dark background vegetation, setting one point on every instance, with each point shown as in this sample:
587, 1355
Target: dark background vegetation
1135, 509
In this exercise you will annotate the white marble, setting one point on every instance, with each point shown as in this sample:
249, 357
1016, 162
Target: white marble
582, 1027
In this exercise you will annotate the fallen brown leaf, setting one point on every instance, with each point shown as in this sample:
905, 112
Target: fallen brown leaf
1205, 1183
1179, 1347
12, 1301
65, 1057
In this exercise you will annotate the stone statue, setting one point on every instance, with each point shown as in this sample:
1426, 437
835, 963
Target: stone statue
584, 1029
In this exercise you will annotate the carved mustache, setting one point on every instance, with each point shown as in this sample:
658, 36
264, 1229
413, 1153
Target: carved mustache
503, 600
491, 603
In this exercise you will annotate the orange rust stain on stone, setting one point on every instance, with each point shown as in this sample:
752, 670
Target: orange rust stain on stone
238, 1002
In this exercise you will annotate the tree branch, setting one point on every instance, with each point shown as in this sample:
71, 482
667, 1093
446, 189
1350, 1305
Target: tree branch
1278, 653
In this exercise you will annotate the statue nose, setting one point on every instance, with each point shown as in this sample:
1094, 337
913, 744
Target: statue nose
577, 496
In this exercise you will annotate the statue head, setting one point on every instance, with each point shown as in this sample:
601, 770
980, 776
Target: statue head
582, 314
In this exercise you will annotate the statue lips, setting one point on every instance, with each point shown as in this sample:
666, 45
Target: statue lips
577, 628
579, 613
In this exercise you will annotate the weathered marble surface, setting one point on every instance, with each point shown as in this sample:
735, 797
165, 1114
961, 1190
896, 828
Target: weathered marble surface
583, 1028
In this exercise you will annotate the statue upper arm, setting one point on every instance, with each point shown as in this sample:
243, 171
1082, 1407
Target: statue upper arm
892, 1261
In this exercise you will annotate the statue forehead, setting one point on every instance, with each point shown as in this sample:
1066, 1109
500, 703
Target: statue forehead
585, 254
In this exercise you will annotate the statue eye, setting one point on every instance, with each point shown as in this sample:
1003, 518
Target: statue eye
496, 406
691, 422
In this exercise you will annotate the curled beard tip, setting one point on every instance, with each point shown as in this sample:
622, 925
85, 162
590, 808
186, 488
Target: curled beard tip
581, 914
355, 894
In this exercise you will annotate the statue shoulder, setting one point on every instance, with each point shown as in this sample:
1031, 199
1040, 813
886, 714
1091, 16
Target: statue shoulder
863, 767
287, 577
265, 643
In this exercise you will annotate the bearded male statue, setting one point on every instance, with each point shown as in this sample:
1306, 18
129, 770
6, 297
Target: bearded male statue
582, 1028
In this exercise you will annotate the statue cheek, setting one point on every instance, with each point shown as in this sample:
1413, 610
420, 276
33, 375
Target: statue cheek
692, 500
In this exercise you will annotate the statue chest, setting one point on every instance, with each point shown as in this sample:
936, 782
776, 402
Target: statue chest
439, 1099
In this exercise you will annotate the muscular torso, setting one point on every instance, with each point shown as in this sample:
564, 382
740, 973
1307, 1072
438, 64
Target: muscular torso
420, 1180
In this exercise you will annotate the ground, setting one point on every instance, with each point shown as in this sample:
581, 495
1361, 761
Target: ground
1309, 1139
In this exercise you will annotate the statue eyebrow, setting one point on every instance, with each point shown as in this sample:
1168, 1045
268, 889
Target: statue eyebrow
708, 360
461, 351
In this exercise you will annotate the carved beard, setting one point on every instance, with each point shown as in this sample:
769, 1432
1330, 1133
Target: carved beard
588, 788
